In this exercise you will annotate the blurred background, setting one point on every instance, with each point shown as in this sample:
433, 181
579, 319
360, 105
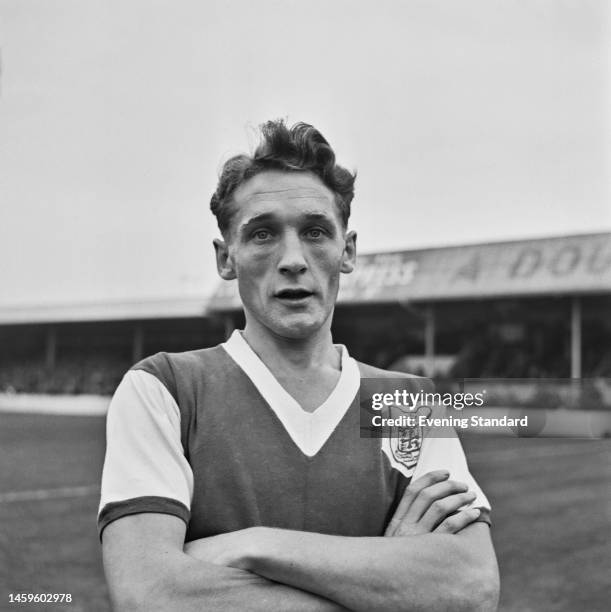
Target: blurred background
481, 134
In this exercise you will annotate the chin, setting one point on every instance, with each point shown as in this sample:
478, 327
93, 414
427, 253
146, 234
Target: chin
296, 327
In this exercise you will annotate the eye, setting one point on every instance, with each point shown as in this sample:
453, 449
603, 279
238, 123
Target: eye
315, 233
261, 235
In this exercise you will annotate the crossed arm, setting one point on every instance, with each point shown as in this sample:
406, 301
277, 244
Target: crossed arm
431, 558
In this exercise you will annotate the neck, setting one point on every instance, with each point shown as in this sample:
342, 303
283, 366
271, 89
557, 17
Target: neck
278, 352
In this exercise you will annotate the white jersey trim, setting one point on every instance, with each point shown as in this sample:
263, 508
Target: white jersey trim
144, 453
446, 453
308, 430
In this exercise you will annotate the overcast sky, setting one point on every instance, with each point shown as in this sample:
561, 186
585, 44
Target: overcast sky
468, 121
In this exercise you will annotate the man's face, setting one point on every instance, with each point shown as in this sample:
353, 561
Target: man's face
287, 246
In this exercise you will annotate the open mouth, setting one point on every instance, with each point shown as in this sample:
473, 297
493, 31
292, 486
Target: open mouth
293, 294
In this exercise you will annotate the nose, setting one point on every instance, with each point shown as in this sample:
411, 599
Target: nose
292, 259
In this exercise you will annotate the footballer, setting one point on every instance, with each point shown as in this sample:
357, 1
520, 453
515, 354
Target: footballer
235, 477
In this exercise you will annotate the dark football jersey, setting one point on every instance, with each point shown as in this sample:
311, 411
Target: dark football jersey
210, 436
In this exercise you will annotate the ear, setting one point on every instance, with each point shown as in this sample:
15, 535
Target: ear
349, 254
224, 263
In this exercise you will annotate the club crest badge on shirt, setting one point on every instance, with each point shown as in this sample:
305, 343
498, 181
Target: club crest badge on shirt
402, 447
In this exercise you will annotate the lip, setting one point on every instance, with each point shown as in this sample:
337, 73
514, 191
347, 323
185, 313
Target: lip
293, 295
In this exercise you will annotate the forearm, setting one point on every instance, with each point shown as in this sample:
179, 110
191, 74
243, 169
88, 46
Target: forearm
426, 572
186, 584
147, 572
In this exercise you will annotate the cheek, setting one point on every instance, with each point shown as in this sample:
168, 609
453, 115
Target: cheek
254, 262
255, 275
328, 260
253, 289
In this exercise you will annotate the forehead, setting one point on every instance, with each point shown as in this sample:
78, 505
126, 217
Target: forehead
276, 192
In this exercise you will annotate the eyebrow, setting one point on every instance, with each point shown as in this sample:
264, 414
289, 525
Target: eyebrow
270, 217
314, 216
256, 220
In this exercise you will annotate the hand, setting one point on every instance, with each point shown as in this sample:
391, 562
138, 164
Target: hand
430, 504
228, 549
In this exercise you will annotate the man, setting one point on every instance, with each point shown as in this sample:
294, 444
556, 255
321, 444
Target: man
235, 477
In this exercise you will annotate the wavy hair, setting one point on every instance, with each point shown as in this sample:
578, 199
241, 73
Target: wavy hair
300, 148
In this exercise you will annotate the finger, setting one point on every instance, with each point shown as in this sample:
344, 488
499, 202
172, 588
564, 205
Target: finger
411, 491
422, 495
458, 521
431, 494
445, 507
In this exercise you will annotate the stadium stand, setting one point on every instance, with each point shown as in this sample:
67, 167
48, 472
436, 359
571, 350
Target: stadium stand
521, 309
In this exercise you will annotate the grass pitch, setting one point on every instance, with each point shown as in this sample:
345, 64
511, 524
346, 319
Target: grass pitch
551, 515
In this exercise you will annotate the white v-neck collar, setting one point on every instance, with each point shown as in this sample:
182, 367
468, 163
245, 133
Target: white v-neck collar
308, 430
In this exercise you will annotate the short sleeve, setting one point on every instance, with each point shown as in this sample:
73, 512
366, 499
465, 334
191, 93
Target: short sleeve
442, 450
145, 469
